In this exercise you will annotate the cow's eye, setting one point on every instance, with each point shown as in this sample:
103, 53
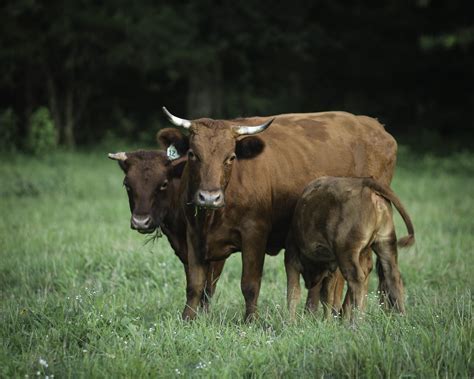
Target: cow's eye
192, 156
127, 187
230, 159
164, 185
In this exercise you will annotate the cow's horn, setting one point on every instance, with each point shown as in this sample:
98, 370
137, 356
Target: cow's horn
118, 156
176, 120
246, 130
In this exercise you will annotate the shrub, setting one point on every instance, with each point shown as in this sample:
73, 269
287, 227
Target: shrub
8, 130
42, 133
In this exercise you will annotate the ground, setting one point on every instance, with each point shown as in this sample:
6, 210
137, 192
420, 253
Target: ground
82, 295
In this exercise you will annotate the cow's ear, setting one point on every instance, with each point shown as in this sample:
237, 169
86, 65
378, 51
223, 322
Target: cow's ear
249, 147
177, 167
121, 158
172, 136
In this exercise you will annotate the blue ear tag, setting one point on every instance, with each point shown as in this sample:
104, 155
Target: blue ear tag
172, 153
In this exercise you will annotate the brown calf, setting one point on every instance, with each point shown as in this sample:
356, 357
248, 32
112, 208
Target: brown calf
336, 223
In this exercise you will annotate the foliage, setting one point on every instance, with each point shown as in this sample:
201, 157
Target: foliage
42, 135
83, 296
407, 63
8, 130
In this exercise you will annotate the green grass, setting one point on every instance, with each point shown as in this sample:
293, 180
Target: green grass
83, 292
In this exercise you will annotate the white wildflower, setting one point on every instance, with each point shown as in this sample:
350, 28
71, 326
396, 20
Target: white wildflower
43, 363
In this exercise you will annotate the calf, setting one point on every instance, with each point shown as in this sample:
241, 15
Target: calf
336, 223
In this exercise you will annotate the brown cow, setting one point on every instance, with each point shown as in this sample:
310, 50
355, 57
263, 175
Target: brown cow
152, 182
260, 188
337, 220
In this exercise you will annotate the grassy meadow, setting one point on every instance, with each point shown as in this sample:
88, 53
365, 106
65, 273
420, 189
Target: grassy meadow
82, 295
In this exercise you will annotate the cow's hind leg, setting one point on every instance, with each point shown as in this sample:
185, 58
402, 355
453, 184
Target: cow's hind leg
338, 292
391, 285
293, 286
312, 301
331, 293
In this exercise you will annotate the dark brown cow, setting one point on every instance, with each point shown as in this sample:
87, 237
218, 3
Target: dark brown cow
260, 188
152, 182
337, 220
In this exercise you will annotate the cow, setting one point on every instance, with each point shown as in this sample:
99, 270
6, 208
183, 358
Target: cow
337, 220
152, 183
240, 189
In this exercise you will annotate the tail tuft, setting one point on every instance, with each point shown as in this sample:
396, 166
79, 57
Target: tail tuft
406, 241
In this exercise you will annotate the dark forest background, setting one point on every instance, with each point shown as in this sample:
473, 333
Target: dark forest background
104, 68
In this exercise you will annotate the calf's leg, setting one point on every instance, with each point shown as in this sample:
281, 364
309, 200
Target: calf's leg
391, 285
352, 271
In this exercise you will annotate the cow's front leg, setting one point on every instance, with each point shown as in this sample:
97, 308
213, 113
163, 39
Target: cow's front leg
213, 274
253, 256
195, 280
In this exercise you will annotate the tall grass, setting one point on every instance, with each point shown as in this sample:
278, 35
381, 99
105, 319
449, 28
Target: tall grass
83, 296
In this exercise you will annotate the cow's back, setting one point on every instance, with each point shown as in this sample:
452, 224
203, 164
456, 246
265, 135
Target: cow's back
300, 148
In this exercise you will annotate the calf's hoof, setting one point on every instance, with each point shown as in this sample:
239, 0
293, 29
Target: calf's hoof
188, 314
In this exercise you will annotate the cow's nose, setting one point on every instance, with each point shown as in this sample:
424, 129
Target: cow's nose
210, 199
141, 222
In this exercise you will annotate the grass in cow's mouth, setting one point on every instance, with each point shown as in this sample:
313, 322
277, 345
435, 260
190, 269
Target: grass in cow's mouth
90, 299
154, 236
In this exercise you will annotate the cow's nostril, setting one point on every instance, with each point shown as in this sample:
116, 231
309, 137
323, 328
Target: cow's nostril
217, 197
201, 196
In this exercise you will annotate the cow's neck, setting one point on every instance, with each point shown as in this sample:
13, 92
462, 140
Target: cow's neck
173, 224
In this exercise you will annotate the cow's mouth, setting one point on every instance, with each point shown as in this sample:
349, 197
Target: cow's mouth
199, 206
146, 231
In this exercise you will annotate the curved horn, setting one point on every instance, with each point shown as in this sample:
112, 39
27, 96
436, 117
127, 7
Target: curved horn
118, 156
247, 130
176, 120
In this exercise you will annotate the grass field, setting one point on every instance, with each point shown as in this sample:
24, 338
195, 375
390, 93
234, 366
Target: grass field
83, 296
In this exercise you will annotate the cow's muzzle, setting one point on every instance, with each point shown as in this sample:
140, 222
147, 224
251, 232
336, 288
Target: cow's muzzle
142, 224
210, 199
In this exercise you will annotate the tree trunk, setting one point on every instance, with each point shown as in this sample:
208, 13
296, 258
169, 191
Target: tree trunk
69, 123
54, 106
204, 93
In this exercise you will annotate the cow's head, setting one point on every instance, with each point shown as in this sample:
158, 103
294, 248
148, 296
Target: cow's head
213, 147
147, 178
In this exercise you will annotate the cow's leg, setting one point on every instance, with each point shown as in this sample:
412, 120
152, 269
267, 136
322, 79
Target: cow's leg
314, 296
352, 271
327, 294
293, 287
391, 285
332, 291
338, 292
253, 256
196, 279
213, 274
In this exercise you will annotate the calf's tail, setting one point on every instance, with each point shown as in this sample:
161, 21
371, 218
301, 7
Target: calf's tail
388, 194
